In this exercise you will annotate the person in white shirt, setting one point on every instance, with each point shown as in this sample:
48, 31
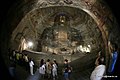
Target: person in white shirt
42, 68
99, 70
31, 64
54, 70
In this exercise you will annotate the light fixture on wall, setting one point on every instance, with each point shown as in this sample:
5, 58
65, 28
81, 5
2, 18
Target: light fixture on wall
30, 44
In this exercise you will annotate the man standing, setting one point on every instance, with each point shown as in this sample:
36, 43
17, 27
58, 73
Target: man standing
99, 71
31, 64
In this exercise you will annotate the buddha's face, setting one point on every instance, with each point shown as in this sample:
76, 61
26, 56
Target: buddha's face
62, 19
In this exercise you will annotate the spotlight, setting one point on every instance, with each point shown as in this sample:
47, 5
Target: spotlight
30, 44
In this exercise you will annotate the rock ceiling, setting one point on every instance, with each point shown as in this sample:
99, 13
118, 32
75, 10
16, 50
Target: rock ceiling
81, 27
86, 24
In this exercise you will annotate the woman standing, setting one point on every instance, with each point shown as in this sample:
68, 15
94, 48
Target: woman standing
54, 69
42, 68
31, 64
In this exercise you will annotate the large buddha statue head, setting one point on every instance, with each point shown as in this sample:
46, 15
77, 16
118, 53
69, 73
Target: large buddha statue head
61, 19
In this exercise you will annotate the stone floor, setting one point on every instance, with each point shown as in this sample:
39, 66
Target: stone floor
37, 76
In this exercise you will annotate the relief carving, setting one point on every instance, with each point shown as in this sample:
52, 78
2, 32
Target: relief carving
68, 1
53, 1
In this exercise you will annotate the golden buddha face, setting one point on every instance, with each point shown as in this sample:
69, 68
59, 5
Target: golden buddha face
62, 19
